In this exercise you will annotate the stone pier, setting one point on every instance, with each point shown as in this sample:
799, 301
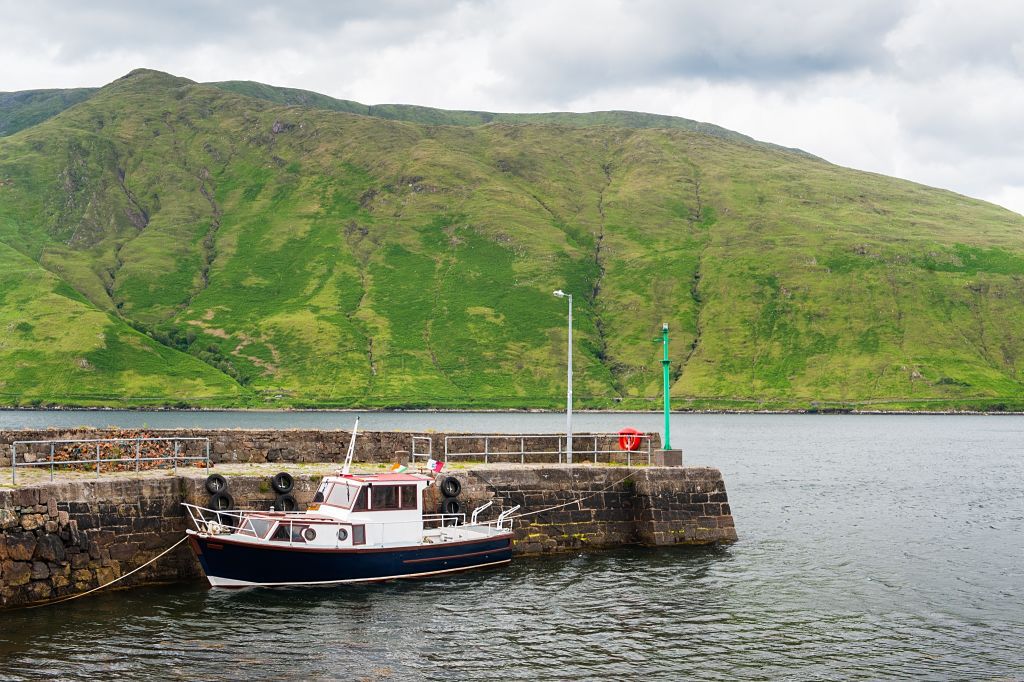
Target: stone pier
68, 536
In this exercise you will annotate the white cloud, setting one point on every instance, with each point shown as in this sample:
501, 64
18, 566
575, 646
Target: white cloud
930, 90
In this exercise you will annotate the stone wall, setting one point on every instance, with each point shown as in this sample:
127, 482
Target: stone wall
308, 445
600, 507
59, 539
66, 538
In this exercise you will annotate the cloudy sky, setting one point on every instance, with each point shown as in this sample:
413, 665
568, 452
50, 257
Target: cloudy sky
929, 90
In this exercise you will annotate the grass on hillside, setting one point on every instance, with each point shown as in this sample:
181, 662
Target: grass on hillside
194, 245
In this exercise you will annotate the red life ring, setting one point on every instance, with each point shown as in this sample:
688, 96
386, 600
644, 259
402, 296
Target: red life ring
629, 439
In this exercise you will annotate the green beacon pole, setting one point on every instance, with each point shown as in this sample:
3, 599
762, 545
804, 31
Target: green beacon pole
664, 371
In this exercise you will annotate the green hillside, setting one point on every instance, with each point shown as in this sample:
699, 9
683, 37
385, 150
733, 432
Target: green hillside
20, 110
170, 242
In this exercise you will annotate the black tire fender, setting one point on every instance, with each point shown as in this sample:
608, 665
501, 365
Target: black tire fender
451, 506
215, 483
451, 487
282, 483
286, 503
221, 501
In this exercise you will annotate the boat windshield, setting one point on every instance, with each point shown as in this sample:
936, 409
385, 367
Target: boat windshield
260, 526
342, 495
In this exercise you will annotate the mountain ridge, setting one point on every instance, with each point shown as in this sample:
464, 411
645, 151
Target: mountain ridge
399, 112
262, 254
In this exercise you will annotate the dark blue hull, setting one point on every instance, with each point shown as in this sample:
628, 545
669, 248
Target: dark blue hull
234, 564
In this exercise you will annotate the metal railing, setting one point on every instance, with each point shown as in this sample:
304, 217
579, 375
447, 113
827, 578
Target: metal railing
60, 453
594, 447
419, 453
502, 522
215, 522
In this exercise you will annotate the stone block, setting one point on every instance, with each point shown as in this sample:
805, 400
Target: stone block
21, 546
106, 574
40, 571
25, 497
50, 548
82, 575
51, 507
31, 521
16, 573
124, 551
51, 526
9, 519
667, 458
60, 581
40, 590
79, 560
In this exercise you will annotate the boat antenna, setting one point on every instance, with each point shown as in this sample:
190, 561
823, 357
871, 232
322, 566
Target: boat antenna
351, 449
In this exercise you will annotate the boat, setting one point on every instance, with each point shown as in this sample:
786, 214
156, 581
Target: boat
363, 528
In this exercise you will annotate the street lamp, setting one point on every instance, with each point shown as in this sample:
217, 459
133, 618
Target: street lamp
568, 396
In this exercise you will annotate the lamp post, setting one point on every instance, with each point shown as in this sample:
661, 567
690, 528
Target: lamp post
568, 396
664, 373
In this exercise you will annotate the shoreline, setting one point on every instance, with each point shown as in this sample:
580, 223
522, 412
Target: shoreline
440, 410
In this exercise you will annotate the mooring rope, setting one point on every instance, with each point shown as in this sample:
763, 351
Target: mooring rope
134, 570
576, 501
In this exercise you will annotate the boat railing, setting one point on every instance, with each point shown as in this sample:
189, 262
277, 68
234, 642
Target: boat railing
217, 522
502, 522
121, 453
476, 512
542, 447
443, 520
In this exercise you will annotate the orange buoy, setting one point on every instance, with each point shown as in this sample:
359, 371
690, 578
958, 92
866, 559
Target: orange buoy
629, 439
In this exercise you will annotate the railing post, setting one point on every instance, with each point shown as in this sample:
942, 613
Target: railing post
207, 454
522, 450
175, 456
138, 451
97, 460
51, 462
559, 449
14, 465
595, 450
487, 444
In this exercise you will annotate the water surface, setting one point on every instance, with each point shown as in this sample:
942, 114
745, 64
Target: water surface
871, 547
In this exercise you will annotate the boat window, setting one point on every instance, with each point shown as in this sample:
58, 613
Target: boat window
361, 501
261, 526
321, 493
358, 535
384, 497
341, 495
289, 532
407, 497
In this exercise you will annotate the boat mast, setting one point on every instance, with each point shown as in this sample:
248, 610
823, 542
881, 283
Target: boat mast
351, 449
